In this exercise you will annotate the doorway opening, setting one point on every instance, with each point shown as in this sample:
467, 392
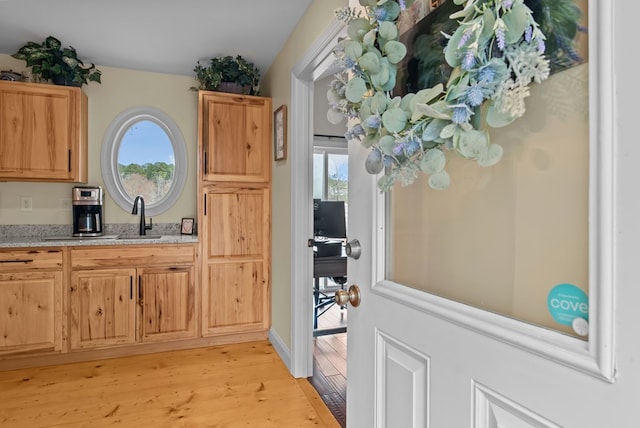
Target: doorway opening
330, 210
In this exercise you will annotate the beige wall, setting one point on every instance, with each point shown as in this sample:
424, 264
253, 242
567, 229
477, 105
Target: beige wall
120, 89
277, 84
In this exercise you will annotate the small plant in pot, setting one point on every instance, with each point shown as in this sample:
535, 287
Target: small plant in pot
50, 61
228, 74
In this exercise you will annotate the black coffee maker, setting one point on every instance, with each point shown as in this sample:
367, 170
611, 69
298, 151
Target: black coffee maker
87, 210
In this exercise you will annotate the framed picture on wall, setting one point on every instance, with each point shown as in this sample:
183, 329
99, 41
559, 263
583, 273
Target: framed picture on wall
280, 133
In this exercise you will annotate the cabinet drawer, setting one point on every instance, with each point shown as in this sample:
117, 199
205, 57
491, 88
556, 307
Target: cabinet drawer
132, 255
23, 260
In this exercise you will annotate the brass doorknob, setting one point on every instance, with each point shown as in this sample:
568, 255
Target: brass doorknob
342, 297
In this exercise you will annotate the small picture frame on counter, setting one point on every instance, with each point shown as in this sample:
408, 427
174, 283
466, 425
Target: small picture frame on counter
186, 227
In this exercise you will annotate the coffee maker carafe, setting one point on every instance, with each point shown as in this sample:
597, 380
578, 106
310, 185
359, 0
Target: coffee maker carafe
87, 204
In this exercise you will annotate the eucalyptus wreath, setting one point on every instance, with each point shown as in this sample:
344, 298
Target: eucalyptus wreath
495, 50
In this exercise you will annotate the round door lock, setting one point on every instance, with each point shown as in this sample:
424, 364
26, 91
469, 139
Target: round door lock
342, 297
353, 249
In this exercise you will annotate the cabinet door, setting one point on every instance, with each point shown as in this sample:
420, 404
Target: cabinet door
103, 309
166, 299
234, 297
236, 271
30, 312
43, 132
235, 133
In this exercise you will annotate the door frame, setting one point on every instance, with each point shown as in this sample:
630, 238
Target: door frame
595, 357
316, 64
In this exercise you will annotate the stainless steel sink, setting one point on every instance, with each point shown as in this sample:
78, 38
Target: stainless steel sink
139, 236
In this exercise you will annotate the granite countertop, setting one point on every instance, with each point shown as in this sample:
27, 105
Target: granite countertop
61, 235
37, 241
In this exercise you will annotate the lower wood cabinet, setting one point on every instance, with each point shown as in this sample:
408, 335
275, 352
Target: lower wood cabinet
103, 308
31, 301
151, 300
236, 259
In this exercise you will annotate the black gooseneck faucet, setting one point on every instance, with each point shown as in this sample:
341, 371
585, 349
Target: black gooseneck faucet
143, 223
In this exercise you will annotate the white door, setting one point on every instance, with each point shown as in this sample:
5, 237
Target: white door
417, 360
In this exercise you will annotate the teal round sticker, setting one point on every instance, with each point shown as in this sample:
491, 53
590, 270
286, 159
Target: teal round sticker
567, 302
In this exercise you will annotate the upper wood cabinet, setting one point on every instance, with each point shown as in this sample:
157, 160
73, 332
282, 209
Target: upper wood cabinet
233, 130
43, 132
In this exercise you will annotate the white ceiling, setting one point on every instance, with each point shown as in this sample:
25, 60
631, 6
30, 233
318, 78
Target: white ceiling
154, 35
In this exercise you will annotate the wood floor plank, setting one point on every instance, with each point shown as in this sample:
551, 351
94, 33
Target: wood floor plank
227, 386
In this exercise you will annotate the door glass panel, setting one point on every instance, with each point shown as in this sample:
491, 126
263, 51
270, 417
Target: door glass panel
501, 238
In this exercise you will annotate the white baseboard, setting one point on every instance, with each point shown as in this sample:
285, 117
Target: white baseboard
281, 348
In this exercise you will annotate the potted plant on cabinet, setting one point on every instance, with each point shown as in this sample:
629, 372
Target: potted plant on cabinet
50, 61
228, 74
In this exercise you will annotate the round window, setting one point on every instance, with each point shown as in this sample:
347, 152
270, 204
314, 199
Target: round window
143, 154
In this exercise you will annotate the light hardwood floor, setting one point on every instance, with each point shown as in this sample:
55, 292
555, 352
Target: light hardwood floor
240, 385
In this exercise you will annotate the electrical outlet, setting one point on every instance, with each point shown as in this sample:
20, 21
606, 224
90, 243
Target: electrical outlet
26, 203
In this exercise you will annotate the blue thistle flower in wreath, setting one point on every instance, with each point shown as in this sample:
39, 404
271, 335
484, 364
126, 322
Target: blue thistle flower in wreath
481, 69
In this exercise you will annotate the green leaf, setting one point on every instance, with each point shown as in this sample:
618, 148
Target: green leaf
369, 39
388, 30
439, 180
381, 77
434, 129
358, 28
433, 161
420, 110
378, 103
470, 144
386, 144
394, 120
429, 94
393, 71
52, 43
353, 49
334, 116
492, 156
452, 53
395, 51
355, 89
393, 10
517, 21
370, 62
496, 118
448, 131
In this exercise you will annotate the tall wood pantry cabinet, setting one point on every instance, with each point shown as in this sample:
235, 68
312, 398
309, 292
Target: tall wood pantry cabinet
43, 132
234, 213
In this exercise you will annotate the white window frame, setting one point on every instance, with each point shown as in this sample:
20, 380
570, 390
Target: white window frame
111, 147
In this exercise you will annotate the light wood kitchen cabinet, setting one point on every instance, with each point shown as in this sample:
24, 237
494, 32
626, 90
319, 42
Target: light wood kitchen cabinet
31, 301
132, 294
234, 213
43, 132
237, 262
166, 300
102, 308
235, 132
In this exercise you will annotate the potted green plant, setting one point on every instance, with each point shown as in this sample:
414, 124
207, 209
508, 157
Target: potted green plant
228, 74
50, 61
